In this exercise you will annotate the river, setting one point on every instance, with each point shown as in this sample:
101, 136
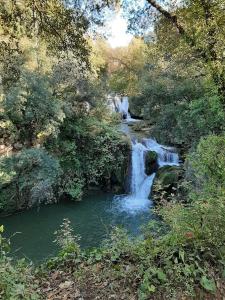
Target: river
94, 216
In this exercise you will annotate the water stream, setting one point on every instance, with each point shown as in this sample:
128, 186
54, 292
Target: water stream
94, 216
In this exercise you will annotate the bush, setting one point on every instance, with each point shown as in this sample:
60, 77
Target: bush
16, 278
27, 178
90, 153
206, 167
32, 108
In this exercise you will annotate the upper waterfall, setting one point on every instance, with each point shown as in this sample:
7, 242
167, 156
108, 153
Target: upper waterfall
166, 155
121, 105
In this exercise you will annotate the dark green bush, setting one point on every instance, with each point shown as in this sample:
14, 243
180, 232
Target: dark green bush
28, 178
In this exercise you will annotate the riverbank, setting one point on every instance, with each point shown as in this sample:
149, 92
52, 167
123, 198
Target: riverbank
122, 268
176, 255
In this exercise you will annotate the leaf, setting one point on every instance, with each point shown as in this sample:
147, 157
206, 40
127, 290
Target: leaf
161, 275
65, 285
1, 228
151, 288
181, 255
208, 284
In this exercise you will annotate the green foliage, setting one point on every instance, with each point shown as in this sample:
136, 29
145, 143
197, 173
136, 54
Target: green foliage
60, 26
90, 153
207, 166
17, 279
66, 240
28, 178
201, 117
32, 108
126, 67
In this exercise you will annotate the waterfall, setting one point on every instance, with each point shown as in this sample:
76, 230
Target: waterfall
124, 107
120, 105
138, 175
140, 183
166, 155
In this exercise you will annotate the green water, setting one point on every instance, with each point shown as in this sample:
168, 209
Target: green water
92, 218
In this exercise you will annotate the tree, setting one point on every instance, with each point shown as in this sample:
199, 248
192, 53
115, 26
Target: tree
32, 108
126, 66
57, 25
27, 178
61, 26
199, 24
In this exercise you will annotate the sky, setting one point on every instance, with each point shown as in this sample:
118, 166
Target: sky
118, 36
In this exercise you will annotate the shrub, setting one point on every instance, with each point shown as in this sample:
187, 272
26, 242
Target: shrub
207, 167
32, 108
16, 278
27, 178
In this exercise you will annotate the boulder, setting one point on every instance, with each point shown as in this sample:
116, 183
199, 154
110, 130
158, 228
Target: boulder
166, 183
168, 175
151, 164
119, 177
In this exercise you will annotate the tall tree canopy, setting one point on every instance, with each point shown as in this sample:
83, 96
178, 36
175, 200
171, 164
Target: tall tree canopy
198, 24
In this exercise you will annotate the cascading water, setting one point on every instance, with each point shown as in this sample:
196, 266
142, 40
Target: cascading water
140, 183
166, 155
124, 107
120, 105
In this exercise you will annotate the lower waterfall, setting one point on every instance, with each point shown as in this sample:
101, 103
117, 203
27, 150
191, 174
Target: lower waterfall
140, 184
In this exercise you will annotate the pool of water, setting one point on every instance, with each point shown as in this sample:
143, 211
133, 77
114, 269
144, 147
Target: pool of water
92, 218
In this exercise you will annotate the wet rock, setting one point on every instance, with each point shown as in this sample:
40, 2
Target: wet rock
168, 175
151, 164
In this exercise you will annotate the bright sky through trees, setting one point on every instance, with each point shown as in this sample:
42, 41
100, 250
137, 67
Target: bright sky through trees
118, 29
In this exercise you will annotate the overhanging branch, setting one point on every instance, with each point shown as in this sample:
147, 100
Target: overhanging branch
171, 17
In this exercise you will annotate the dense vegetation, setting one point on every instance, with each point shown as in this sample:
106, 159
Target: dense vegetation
54, 120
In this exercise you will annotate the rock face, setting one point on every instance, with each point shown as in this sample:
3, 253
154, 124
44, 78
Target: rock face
165, 183
118, 180
151, 164
135, 110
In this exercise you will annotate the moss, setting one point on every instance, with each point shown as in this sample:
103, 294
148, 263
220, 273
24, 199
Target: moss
166, 183
118, 179
151, 164
168, 175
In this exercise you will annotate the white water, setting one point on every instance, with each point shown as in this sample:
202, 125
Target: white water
166, 155
120, 105
141, 184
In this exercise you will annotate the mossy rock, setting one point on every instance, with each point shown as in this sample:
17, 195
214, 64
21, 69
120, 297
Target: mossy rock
168, 175
118, 178
151, 164
166, 183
